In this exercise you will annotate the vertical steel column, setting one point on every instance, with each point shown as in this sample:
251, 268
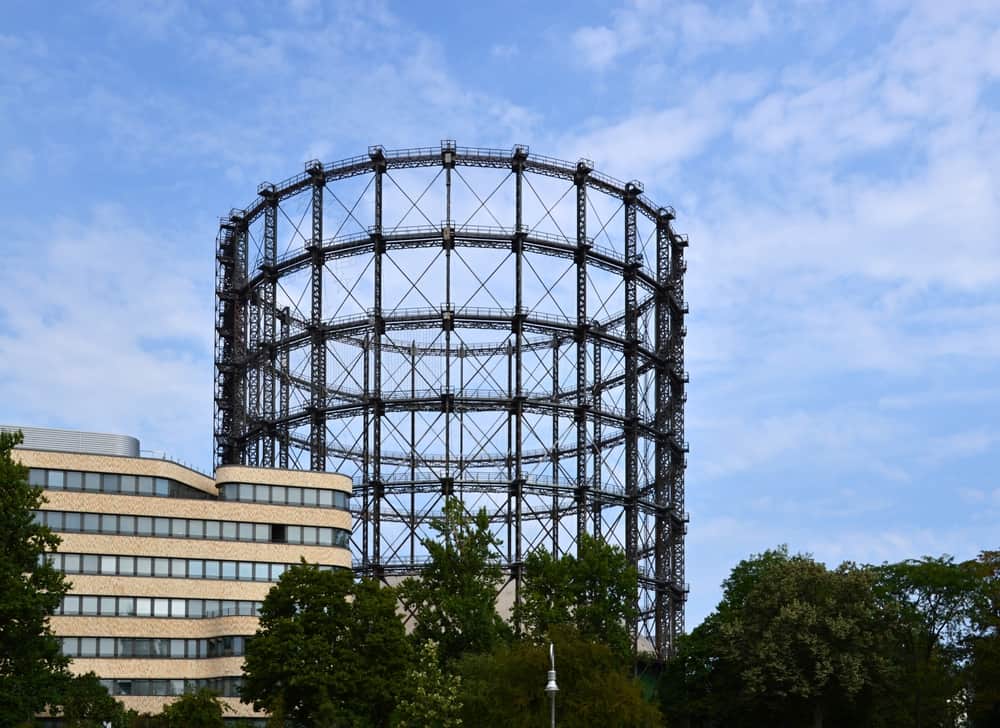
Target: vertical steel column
509, 541
270, 329
597, 502
448, 315
317, 356
678, 379
413, 452
368, 519
379, 166
230, 334
583, 169
518, 159
284, 369
252, 444
554, 516
240, 341
664, 638
632, 263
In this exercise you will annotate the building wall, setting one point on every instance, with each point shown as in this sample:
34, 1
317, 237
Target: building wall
166, 584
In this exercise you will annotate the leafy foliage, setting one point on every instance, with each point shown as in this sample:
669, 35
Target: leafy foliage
86, 703
32, 668
327, 651
454, 598
202, 708
595, 591
506, 688
433, 697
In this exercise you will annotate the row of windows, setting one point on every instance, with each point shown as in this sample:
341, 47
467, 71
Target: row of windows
170, 567
150, 648
284, 495
113, 483
196, 528
74, 605
226, 686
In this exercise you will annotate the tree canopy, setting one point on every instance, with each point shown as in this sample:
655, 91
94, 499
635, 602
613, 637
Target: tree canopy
328, 651
594, 591
33, 671
454, 598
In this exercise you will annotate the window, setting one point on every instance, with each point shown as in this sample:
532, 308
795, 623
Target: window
161, 567
127, 484
161, 526
294, 534
195, 608
309, 497
91, 563
178, 527
228, 531
126, 565
212, 569
177, 568
72, 522
245, 571
309, 534
88, 647
110, 483
196, 528
262, 532
279, 494
246, 492
108, 564
161, 487
91, 523
126, 525
277, 533
92, 481
326, 537
325, 499
161, 608
145, 485
295, 496
74, 480
144, 607
144, 526
212, 530
107, 605
196, 569
109, 523
88, 605
245, 531
262, 493
36, 476
126, 606
260, 572
71, 563
143, 566
106, 647
228, 569
57, 479
71, 605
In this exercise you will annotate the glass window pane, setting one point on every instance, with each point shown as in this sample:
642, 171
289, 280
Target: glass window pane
246, 492
212, 569
309, 496
326, 537
88, 605
72, 521
161, 607
161, 487
71, 605
261, 532
212, 530
279, 494
195, 608
229, 530
91, 563
57, 479
127, 484
109, 523
145, 485
88, 647
144, 526
196, 528
108, 565
261, 572
161, 567
196, 569
178, 527
294, 534
161, 526
54, 520
144, 607
74, 480
227, 607
109, 483
143, 566
177, 648
245, 531
91, 523
177, 568
228, 569
211, 607
71, 563
107, 607
36, 476
106, 647
309, 535
262, 493
126, 606
126, 565
277, 570
126, 525
326, 499
92, 481
295, 496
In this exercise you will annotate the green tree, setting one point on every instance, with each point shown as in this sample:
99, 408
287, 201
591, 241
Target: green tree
85, 703
32, 667
454, 598
506, 687
328, 651
202, 708
433, 695
791, 644
933, 602
983, 673
595, 591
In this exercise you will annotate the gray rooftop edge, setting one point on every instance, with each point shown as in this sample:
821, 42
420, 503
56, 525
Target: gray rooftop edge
87, 443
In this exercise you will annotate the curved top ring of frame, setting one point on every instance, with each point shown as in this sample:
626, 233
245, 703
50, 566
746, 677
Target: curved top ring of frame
485, 157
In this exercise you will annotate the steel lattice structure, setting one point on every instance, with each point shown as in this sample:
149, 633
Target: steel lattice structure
491, 324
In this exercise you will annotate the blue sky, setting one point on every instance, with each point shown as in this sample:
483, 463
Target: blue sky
836, 166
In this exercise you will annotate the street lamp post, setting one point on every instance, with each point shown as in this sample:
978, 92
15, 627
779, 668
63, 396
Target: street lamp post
551, 688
